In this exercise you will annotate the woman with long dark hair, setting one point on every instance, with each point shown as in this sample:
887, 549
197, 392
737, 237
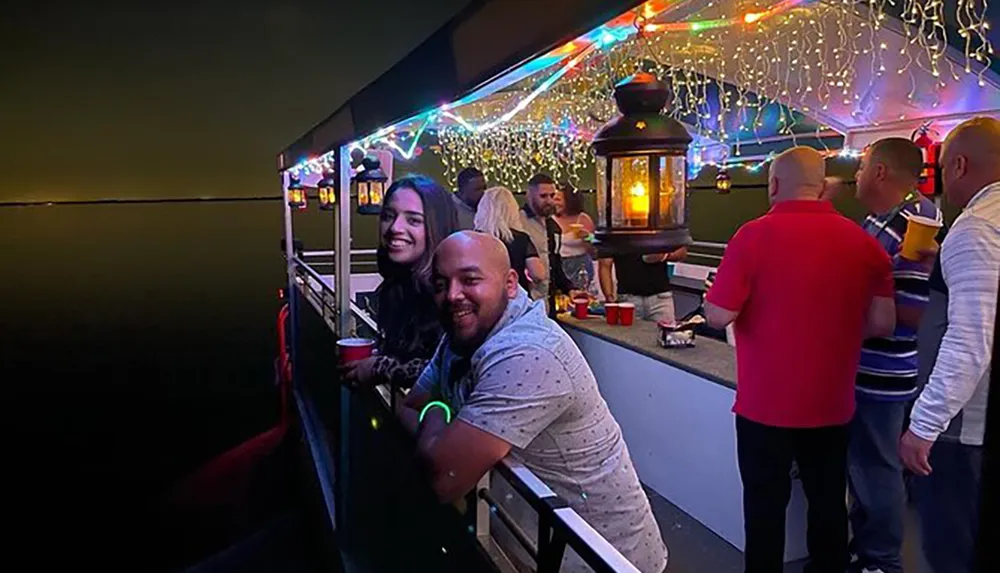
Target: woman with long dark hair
417, 214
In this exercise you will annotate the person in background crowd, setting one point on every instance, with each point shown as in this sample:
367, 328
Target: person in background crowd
471, 185
417, 214
801, 285
576, 226
498, 215
536, 218
642, 281
518, 385
944, 442
887, 374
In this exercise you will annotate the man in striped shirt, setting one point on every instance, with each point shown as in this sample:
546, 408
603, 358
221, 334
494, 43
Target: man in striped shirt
887, 373
944, 443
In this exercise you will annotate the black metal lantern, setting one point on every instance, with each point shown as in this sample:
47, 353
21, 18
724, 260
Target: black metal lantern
327, 191
723, 183
641, 173
296, 193
369, 186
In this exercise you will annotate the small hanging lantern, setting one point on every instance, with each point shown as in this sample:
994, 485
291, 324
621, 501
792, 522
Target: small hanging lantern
369, 186
296, 193
641, 173
723, 183
327, 190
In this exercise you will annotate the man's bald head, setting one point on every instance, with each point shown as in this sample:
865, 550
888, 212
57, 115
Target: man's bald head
970, 159
473, 282
796, 173
490, 251
978, 137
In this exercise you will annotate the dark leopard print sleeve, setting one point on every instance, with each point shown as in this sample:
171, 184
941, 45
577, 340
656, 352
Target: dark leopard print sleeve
399, 374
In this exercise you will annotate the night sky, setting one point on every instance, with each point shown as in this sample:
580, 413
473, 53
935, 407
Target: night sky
144, 334
107, 99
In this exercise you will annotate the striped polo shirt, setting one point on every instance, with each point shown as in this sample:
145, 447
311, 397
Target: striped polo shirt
888, 367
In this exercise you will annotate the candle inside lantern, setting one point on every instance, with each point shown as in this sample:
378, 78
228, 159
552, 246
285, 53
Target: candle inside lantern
637, 205
362, 193
375, 193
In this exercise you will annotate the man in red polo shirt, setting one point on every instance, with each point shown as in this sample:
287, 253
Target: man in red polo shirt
803, 286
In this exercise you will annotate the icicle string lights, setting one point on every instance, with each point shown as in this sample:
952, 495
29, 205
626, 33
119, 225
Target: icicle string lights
738, 71
755, 166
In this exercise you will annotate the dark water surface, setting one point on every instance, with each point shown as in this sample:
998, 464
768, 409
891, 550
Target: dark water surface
136, 342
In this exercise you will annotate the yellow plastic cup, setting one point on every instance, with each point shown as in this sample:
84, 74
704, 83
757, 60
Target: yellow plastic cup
920, 233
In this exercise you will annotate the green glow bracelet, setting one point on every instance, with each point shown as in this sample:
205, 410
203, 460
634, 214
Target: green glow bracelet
436, 404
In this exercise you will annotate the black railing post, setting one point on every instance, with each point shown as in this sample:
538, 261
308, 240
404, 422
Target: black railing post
550, 558
471, 503
551, 545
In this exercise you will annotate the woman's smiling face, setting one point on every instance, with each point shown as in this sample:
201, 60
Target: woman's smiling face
401, 227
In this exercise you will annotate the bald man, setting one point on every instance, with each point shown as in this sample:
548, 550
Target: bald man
801, 285
517, 385
944, 442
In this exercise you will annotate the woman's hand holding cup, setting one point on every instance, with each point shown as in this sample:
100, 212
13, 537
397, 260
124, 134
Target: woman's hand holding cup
357, 360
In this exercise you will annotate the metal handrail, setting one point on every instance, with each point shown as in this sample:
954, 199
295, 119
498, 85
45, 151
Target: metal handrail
371, 252
300, 264
709, 245
591, 546
705, 256
367, 252
509, 523
364, 316
353, 263
322, 298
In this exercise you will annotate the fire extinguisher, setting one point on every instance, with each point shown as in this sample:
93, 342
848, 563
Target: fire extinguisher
929, 183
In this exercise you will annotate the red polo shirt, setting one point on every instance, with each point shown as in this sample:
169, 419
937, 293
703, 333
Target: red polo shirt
802, 278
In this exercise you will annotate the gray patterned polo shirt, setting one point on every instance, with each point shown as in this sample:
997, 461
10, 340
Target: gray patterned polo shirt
530, 386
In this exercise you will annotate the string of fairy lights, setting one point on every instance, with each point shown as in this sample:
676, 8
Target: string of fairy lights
733, 68
511, 156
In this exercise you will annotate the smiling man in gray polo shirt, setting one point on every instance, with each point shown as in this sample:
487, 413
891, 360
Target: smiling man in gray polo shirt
519, 386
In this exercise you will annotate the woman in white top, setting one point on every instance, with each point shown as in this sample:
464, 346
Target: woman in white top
577, 253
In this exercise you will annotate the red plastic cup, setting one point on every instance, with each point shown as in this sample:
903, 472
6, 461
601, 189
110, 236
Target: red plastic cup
611, 312
580, 306
626, 313
351, 349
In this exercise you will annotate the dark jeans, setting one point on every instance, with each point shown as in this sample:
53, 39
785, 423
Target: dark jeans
948, 504
765, 458
876, 481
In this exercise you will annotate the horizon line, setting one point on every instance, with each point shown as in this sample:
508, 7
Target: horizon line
136, 200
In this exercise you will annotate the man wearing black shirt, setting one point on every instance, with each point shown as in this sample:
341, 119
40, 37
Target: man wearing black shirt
471, 186
642, 281
545, 233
